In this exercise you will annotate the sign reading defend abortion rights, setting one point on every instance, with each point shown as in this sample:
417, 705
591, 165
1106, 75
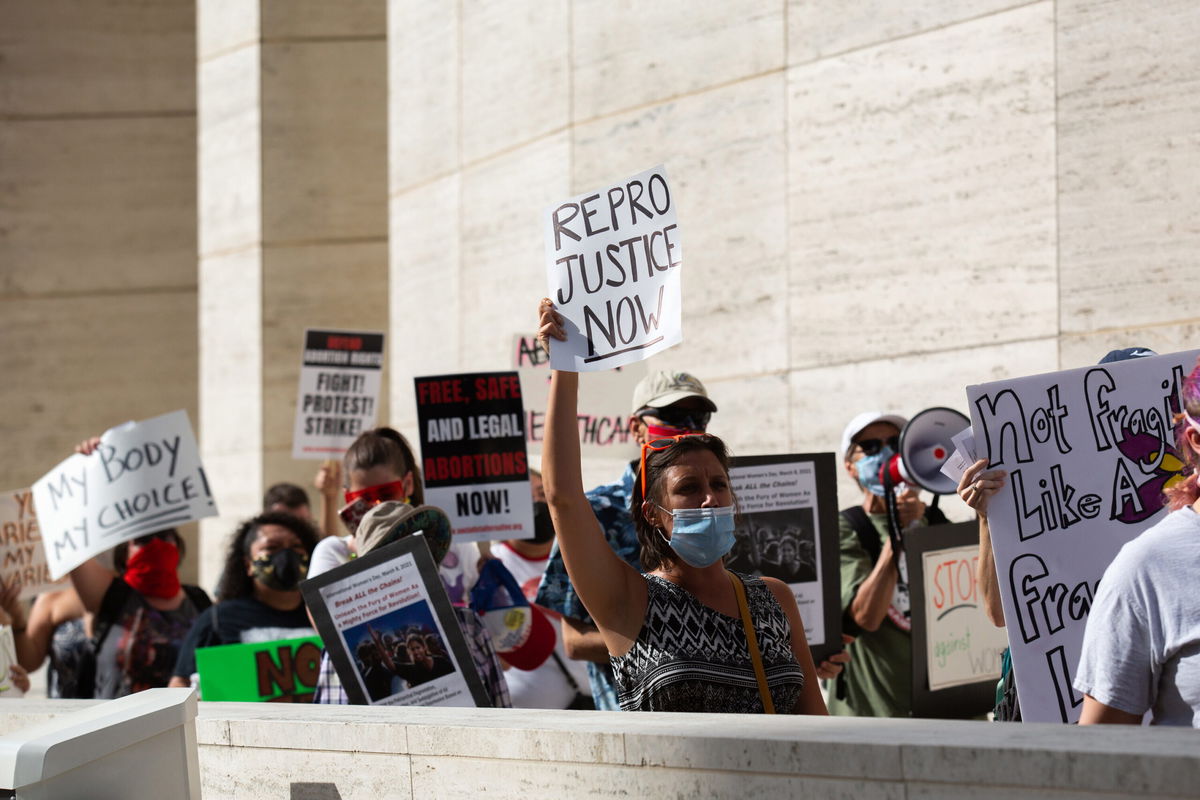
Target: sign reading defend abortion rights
338, 398
143, 477
473, 453
1088, 452
22, 557
613, 261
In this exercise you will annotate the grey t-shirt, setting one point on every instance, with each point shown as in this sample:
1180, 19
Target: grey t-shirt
1141, 648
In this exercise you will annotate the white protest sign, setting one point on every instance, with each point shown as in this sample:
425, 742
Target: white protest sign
1088, 452
143, 477
605, 442
22, 557
962, 644
338, 398
613, 263
8, 657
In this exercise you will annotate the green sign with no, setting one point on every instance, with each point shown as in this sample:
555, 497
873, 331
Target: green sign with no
283, 671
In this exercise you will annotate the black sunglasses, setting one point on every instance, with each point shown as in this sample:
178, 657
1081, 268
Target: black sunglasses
685, 418
872, 446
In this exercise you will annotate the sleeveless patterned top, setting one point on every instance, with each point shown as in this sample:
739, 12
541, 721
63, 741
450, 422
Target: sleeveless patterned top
689, 657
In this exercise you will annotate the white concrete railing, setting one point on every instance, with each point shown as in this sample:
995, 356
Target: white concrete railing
321, 753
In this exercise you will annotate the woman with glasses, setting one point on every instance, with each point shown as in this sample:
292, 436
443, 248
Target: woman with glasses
141, 610
677, 635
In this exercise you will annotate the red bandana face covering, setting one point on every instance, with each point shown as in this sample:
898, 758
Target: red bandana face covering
153, 569
665, 432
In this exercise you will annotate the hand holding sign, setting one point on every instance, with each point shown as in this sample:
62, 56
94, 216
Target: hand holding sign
136, 479
613, 261
977, 486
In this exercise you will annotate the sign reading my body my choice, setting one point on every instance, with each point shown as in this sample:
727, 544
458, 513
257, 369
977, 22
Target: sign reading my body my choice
338, 399
613, 262
143, 477
473, 453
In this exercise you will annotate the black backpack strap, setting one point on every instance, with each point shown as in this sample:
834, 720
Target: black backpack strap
110, 609
933, 514
868, 536
198, 596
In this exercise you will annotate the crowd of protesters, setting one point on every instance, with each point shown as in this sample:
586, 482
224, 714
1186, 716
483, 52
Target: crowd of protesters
654, 607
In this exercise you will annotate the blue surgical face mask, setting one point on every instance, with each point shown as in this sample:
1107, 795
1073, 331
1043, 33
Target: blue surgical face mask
701, 536
868, 468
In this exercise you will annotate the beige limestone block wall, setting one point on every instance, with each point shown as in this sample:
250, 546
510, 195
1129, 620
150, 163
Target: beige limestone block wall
97, 223
293, 224
882, 202
770, 147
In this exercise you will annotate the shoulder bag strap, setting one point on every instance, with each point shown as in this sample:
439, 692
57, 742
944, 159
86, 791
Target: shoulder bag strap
752, 641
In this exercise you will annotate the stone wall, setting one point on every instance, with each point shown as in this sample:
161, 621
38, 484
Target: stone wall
97, 223
249, 750
881, 202
292, 221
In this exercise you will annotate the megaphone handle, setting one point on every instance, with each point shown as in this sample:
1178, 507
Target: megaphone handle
893, 520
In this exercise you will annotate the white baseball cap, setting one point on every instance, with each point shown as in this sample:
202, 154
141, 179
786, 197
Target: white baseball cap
865, 420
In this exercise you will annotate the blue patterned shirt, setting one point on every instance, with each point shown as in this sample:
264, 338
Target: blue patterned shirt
610, 504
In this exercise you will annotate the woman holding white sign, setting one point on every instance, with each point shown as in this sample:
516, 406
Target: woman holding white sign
689, 635
1141, 647
142, 611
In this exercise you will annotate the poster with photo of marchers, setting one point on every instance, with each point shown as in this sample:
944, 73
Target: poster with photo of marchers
788, 530
389, 629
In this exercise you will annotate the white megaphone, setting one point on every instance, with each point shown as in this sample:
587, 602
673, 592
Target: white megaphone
924, 446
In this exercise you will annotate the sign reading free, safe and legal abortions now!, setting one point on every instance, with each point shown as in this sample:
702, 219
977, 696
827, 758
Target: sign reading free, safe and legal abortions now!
143, 477
613, 262
473, 453
340, 376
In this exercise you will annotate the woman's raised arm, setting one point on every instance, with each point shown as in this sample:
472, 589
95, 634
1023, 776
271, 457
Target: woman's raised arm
613, 592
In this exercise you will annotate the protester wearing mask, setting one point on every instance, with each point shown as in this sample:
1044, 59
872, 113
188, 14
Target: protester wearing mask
664, 404
878, 680
560, 682
688, 636
380, 466
258, 598
141, 613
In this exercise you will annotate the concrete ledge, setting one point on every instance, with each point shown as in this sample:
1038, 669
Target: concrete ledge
250, 750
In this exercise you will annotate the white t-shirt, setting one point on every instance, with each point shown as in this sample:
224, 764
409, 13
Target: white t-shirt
1141, 647
459, 569
546, 686
330, 552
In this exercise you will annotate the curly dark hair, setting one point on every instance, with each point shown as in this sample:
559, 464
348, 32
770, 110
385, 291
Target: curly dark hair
386, 446
655, 552
234, 580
